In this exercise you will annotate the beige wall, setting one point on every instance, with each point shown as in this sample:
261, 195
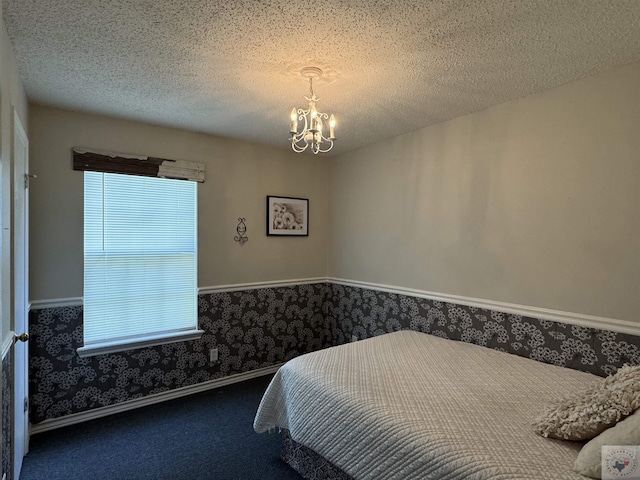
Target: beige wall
12, 96
534, 202
239, 176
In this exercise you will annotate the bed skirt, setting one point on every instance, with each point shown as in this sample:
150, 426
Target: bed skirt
309, 464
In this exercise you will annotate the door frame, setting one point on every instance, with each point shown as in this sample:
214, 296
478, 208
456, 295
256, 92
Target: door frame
20, 300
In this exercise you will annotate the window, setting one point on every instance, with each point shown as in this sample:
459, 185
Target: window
140, 261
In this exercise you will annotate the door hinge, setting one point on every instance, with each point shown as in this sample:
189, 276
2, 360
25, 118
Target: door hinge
27, 177
26, 405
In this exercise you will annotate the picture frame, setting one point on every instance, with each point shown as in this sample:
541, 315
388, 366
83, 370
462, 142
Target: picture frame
287, 216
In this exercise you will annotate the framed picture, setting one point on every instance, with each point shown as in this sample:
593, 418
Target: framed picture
287, 216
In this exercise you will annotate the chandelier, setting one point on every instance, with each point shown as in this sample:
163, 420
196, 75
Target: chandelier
313, 131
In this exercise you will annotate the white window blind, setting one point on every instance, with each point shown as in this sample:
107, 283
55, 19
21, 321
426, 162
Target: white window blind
140, 258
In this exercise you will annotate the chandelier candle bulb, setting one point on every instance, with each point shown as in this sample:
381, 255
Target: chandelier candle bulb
294, 122
332, 127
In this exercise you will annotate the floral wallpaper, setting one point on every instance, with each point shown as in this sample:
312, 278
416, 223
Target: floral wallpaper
251, 329
7, 411
366, 313
263, 327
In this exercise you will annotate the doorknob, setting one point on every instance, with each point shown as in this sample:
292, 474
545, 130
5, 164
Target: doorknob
23, 338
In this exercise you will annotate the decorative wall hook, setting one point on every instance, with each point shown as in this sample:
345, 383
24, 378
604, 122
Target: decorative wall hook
241, 238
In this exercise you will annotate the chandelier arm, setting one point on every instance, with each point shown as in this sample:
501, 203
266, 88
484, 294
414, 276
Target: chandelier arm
302, 116
330, 142
298, 142
298, 149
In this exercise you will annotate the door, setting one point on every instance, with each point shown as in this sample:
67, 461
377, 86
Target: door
20, 157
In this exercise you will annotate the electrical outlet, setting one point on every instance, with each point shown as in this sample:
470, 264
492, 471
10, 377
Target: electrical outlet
213, 355
354, 338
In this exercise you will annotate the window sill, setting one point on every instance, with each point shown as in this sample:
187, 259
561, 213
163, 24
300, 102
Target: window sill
140, 342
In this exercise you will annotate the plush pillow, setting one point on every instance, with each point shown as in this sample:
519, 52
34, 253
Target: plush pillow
626, 432
584, 415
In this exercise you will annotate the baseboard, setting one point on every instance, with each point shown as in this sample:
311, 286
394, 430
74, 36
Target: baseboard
149, 400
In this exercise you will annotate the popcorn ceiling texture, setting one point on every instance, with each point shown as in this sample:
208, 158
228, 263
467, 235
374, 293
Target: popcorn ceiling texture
232, 68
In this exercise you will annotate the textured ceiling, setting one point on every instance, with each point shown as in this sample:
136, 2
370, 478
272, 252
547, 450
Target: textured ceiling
232, 68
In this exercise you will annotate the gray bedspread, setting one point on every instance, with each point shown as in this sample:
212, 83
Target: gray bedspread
408, 405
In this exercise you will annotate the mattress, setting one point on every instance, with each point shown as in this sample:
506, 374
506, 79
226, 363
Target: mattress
409, 405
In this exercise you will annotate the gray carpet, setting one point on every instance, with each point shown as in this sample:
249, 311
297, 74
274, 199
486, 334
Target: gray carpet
204, 436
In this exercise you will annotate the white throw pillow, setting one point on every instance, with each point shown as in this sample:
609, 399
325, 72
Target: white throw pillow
586, 414
626, 432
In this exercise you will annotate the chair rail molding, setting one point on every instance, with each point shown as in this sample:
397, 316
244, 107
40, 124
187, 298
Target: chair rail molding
582, 320
589, 321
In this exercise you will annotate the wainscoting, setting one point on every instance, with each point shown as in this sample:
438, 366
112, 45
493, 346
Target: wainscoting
366, 312
251, 329
256, 328
7, 413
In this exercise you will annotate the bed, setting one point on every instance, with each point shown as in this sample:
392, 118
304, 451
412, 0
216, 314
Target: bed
409, 405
